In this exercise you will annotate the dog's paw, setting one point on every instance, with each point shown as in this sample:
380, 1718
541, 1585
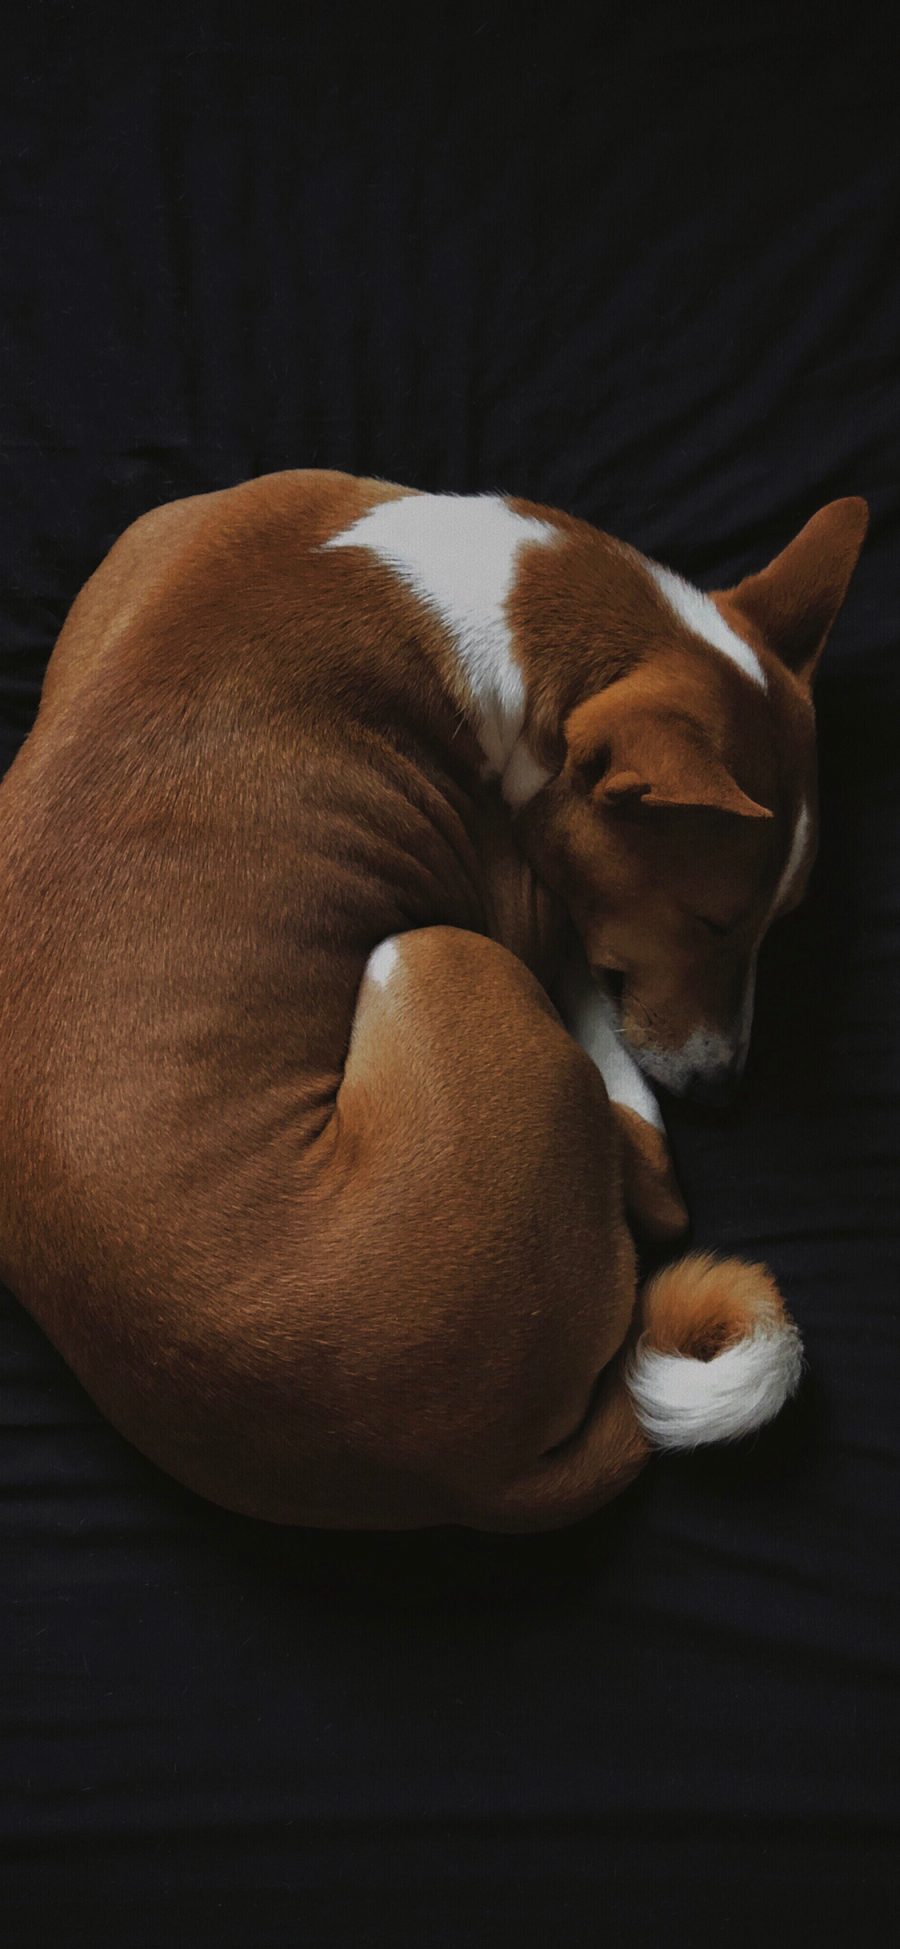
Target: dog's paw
652, 1198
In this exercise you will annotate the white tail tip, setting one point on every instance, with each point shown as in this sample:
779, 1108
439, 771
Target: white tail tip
682, 1401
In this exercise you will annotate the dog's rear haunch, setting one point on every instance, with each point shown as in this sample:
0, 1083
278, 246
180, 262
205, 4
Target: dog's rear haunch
713, 1356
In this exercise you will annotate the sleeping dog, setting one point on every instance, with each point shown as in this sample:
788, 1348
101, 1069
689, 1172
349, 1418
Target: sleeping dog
372, 855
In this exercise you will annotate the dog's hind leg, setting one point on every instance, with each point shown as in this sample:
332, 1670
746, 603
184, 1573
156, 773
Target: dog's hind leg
479, 1175
499, 1348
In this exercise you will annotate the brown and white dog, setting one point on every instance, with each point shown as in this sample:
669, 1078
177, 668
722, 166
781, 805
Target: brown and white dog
332, 787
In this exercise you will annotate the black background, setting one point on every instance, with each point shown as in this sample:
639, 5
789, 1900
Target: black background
639, 262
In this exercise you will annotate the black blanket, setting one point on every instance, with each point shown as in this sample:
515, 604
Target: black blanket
639, 262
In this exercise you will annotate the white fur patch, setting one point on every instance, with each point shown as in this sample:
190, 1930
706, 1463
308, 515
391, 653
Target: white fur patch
459, 554
703, 1054
523, 777
794, 864
382, 962
590, 1017
745, 1019
703, 619
682, 1402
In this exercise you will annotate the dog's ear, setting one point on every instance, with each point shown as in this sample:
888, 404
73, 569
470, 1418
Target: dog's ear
621, 754
796, 600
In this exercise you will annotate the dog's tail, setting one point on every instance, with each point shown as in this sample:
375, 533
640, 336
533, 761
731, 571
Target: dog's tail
719, 1354
715, 1356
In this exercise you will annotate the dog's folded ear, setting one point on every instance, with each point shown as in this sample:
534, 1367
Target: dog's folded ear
624, 753
796, 600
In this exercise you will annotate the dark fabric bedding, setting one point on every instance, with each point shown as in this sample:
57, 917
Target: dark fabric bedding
639, 262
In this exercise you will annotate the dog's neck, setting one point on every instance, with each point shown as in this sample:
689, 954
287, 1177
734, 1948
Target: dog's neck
513, 587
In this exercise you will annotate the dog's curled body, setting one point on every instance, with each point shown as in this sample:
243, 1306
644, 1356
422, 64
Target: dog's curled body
299, 1167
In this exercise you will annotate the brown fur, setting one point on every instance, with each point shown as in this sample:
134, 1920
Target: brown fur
668, 723
704, 1304
333, 1255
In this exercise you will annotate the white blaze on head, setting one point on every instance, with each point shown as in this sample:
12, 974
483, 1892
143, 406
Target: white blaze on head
702, 617
794, 863
745, 1015
704, 1052
459, 553
793, 867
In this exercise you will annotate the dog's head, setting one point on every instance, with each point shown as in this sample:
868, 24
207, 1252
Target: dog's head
684, 819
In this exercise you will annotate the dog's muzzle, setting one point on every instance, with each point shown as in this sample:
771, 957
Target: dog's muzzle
706, 1069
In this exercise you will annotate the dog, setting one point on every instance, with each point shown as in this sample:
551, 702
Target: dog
373, 854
